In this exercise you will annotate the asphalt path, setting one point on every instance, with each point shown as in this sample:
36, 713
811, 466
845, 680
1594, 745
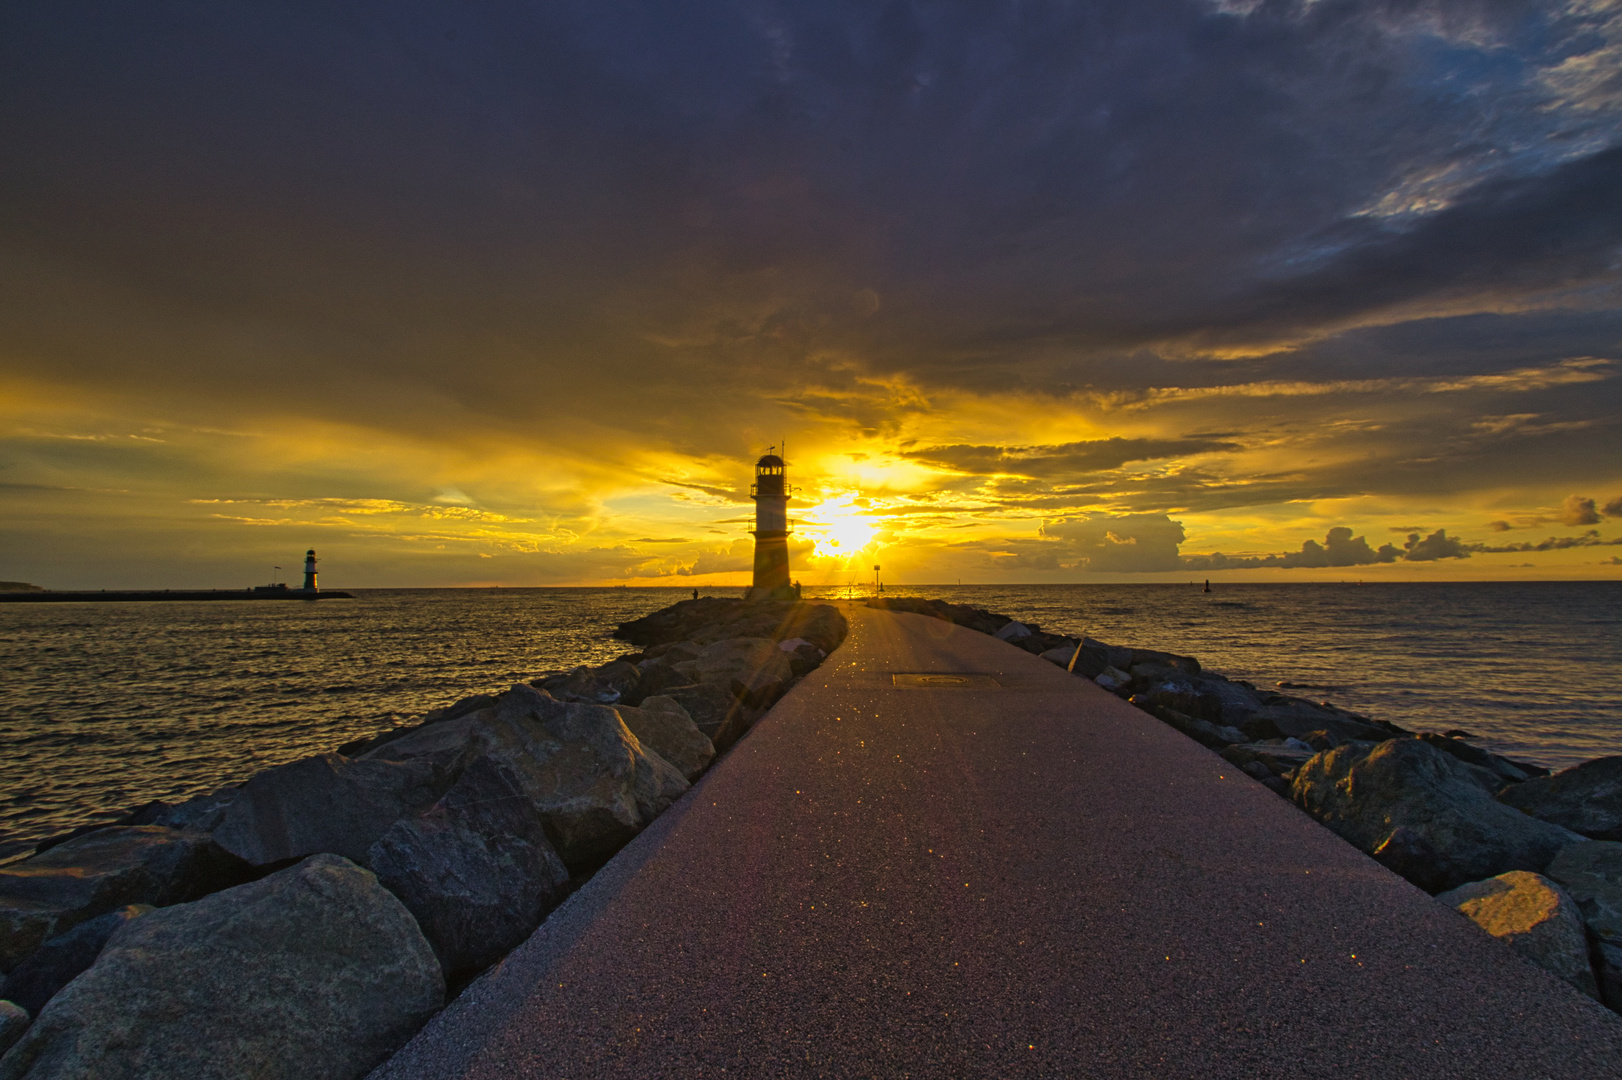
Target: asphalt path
1015, 876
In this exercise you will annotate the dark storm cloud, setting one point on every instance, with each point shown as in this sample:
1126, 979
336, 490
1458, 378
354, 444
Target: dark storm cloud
625, 245
466, 197
1341, 548
1591, 538
1509, 236
1064, 460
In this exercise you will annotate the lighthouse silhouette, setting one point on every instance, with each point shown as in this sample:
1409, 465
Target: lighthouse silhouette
309, 571
771, 495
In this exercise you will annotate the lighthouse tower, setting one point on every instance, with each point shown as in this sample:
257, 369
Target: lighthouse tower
309, 570
771, 494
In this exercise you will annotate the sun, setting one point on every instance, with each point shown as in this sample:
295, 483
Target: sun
841, 530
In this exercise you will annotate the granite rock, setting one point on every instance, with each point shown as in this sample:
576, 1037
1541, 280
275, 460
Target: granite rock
721, 717
1535, 917
14, 1021
1586, 798
1296, 719
1591, 873
754, 669
313, 971
100, 872
1406, 853
578, 763
1201, 731
60, 960
1061, 655
1276, 758
1363, 792
1012, 631
202, 813
606, 685
658, 676
661, 724
1112, 678
327, 803
476, 870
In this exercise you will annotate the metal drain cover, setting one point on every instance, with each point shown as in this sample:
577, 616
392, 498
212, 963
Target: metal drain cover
944, 681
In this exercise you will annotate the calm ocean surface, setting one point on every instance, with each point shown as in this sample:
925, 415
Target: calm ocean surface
106, 706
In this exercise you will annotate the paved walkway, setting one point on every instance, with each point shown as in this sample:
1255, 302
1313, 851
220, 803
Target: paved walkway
1026, 879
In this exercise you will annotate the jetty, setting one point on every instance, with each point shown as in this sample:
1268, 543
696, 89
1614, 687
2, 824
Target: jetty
28, 594
940, 855
49, 596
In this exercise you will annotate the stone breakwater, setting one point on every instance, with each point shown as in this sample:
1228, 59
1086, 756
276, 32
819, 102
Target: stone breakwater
1533, 859
308, 921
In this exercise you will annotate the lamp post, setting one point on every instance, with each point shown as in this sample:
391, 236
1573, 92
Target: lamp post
876, 586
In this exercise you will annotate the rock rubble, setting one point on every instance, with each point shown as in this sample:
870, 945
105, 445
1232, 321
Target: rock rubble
307, 922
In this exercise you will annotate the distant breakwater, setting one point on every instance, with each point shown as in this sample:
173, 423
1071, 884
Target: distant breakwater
1532, 858
322, 908
113, 596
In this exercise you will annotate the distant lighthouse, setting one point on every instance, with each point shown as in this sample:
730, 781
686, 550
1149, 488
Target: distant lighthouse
309, 570
771, 495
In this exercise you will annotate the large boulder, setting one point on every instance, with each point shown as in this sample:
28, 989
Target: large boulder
476, 870
754, 669
1296, 719
1227, 702
1533, 916
1365, 792
659, 676
60, 960
803, 656
202, 813
1499, 770
1012, 631
460, 708
612, 682
1591, 873
1201, 731
14, 1020
325, 803
661, 724
101, 871
1277, 758
313, 971
715, 711
578, 764
671, 652
1586, 798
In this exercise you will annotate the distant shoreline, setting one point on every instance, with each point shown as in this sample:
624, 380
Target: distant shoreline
128, 595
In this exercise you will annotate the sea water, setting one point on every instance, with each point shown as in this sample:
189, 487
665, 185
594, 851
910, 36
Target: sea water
104, 706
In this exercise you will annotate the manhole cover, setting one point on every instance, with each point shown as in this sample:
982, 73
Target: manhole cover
944, 681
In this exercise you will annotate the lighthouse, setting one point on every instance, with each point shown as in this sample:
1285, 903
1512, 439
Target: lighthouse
309, 570
771, 494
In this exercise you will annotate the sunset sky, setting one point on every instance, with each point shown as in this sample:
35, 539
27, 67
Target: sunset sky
515, 293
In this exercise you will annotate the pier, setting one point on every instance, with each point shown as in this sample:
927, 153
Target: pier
48, 596
942, 856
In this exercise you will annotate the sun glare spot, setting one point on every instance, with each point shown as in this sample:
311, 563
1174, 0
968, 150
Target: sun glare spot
840, 530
